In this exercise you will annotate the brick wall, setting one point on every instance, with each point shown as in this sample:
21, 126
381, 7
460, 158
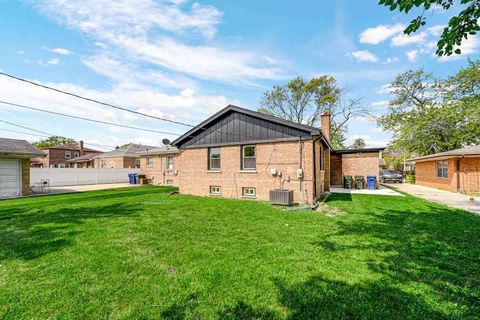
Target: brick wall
467, 179
158, 171
25, 177
336, 169
361, 164
194, 177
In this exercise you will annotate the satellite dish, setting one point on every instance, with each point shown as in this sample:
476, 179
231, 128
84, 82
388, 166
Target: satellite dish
166, 142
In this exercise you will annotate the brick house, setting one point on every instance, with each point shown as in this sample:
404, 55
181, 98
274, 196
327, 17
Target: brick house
85, 161
160, 165
456, 170
239, 153
353, 162
15, 158
58, 156
124, 157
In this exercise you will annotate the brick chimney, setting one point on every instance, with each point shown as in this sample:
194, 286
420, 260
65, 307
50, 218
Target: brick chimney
81, 148
325, 124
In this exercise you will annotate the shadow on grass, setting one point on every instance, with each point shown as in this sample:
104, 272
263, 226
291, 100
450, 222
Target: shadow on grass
32, 234
419, 242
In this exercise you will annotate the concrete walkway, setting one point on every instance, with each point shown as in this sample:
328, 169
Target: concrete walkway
89, 187
381, 191
451, 199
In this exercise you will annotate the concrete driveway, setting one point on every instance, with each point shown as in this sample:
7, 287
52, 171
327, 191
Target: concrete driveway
451, 199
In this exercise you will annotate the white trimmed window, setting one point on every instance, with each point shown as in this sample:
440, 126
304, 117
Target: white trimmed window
442, 169
149, 161
214, 159
68, 154
249, 157
169, 182
215, 190
249, 192
137, 163
169, 162
76, 154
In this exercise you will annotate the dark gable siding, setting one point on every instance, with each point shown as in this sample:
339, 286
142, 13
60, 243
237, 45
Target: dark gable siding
236, 127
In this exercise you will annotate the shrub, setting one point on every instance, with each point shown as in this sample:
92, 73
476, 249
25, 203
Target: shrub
410, 178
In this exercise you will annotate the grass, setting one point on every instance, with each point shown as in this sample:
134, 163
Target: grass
139, 253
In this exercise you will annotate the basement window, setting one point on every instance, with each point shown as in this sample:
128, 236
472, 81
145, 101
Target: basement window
215, 190
249, 192
442, 169
169, 182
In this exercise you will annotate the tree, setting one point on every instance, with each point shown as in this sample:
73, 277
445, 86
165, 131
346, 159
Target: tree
459, 27
430, 115
53, 141
358, 144
304, 101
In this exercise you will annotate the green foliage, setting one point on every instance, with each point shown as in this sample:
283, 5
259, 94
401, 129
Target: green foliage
410, 178
53, 141
430, 115
358, 144
138, 253
305, 101
394, 159
460, 26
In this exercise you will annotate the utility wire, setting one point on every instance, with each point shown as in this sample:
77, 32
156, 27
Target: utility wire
46, 134
94, 100
115, 106
85, 119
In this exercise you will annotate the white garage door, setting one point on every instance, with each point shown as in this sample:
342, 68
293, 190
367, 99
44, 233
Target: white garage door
9, 178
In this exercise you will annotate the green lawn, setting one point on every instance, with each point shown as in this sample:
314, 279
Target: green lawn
142, 253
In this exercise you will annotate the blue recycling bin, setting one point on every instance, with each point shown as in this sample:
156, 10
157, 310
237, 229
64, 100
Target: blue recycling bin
371, 182
132, 178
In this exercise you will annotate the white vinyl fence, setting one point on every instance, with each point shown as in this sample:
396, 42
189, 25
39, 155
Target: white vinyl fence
80, 176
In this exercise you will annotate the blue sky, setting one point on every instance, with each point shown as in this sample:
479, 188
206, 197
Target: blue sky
185, 60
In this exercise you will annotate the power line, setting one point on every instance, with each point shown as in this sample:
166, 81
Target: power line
85, 119
46, 134
94, 100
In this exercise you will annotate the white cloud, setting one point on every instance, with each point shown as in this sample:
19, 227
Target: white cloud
364, 56
53, 61
380, 33
50, 62
412, 55
385, 89
390, 60
382, 104
401, 39
468, 47
62, 51
141, 30
21, 52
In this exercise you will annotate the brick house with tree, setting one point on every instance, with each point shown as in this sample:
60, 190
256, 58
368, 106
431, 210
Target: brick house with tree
58, 156
240, 153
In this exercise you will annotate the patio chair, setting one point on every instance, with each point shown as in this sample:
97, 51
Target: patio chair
45, 183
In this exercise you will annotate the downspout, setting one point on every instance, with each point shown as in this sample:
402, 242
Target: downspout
315, 171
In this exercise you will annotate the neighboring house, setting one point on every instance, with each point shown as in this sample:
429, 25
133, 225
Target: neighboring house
240, 153
85, 161
352, 162
15, 158
160, 165
456, 170
124, 157
58, 156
